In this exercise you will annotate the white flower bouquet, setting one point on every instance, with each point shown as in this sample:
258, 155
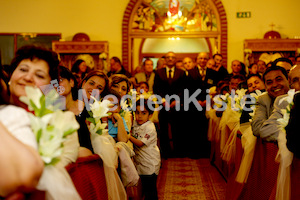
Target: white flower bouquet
98, 110
51, 126
127, 102
255, 95
284, 156
104, 145
286, 112
238, 100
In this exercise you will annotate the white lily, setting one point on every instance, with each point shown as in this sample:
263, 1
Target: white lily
50, 144
50, 127
285, 119
132, 92
224, 97
256, 94
99, 110
69, 122
99, 126
34, 95
289, 98
241, 92
124, 105
51, 100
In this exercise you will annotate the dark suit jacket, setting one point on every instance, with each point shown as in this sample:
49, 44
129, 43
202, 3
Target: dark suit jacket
195, 82
122, 71
221, 75
292, 129
162, 87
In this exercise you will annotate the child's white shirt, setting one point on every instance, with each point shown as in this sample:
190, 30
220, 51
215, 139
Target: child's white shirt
147, 157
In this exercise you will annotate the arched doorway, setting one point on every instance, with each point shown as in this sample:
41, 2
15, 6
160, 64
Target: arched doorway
173, 18
155, 48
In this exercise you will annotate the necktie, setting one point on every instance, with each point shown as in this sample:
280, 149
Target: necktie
202, 73
170, 76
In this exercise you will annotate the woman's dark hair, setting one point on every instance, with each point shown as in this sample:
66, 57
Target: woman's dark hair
117, 78
36, 52
75, 66
99, 74
67, 74
4, 77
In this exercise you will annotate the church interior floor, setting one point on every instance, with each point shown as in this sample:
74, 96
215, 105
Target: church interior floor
193, 179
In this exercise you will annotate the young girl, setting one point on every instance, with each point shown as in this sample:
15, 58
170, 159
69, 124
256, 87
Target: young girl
117, 127
147, 154
143, 87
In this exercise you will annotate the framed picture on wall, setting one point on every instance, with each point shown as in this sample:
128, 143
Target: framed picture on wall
10, 42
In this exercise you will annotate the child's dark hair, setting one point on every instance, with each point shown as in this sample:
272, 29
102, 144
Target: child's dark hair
145, 103
114, 93
67, 74
144, 82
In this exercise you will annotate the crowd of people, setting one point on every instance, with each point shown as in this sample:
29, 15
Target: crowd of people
183, 89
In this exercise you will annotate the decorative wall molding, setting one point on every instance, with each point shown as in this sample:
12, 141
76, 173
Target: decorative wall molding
272, 44
80, 47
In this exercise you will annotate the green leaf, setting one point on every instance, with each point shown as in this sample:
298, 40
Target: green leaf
45, 111
91, 113
50, 128
53, 161
38, 135
35, 108
99, 131
91, 119
69, 132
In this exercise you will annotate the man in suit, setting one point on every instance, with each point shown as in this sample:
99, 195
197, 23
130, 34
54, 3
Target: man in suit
270, 128
200, 77
292, 129
147, 75
264, 122
169, 81
116, 67
221, 71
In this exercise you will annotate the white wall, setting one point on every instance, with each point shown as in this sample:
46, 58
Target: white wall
102, 20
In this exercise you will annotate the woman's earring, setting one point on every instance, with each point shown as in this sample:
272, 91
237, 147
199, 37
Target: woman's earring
8, 83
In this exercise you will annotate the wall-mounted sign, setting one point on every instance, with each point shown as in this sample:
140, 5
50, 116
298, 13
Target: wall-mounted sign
243, 14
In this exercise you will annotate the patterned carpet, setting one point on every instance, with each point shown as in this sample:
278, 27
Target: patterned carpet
185, 178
